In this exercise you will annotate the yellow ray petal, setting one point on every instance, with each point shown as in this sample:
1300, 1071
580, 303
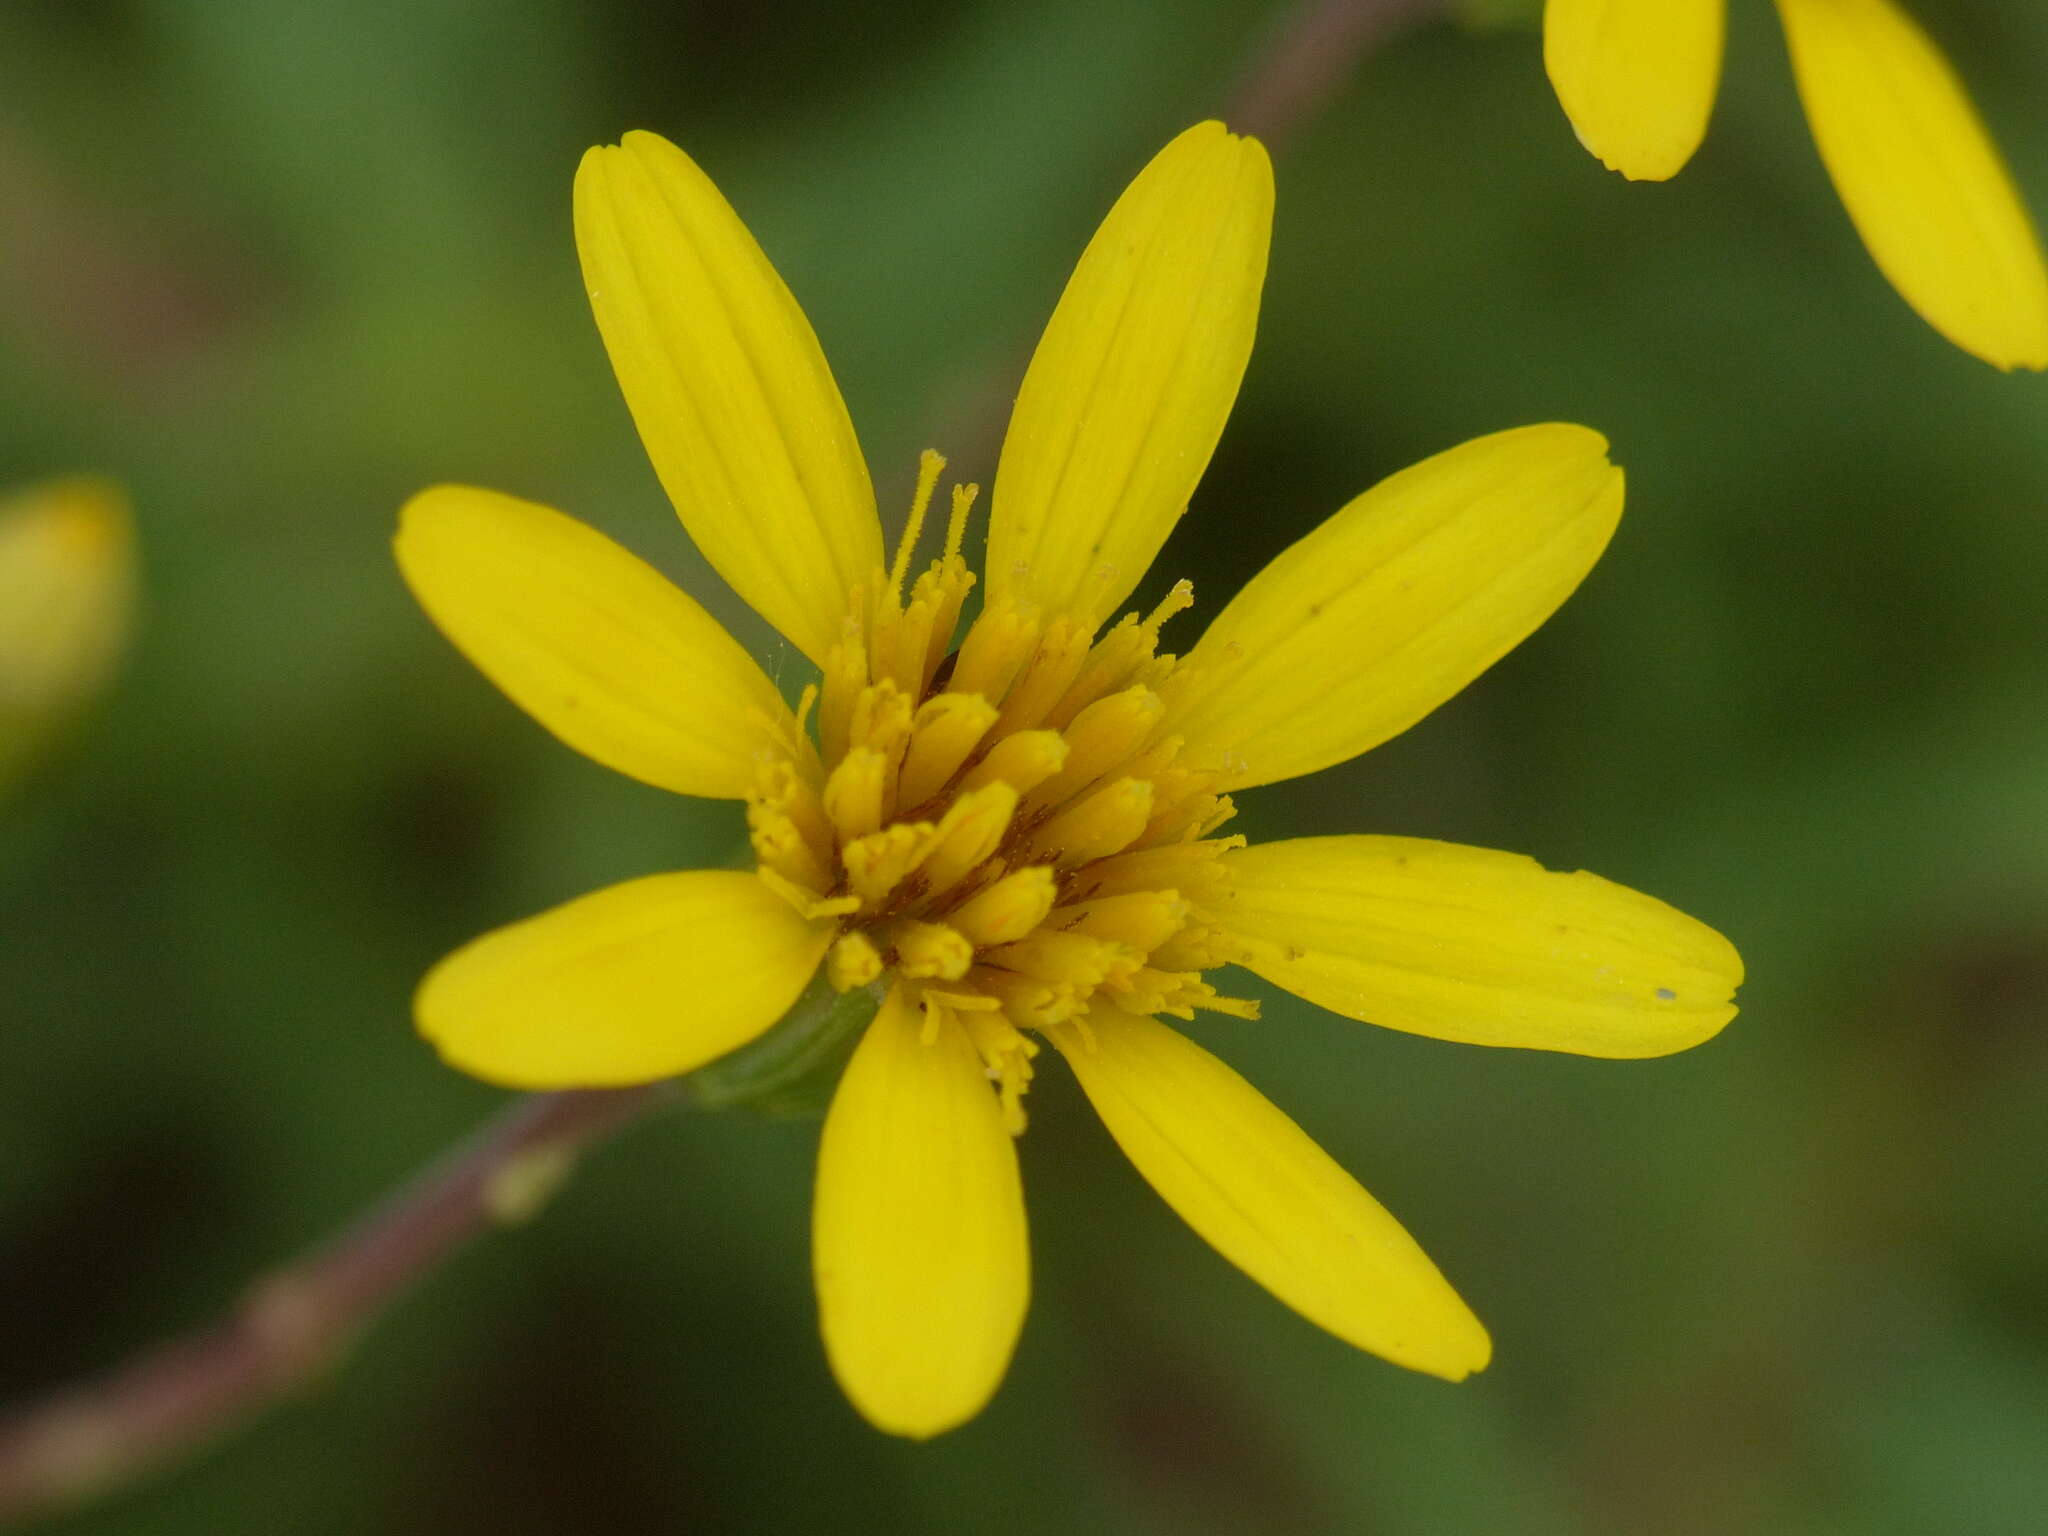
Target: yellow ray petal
1396, 602
1134, 377
1636, 77
1472, 945
1920, 177
729, 388
595, 644
629, 984
1271, 1201
67, 602
918, 1231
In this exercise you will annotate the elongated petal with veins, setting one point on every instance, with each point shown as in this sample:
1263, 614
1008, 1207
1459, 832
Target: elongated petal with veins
1128, 390
595, 644
629, 984
729, 388
1920, 177
1257, 1188
1472, 945
1014, 831
1636, 77
1396, 603
918, 1228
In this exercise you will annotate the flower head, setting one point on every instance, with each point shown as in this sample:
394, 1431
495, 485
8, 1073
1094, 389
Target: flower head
1020, 839
1919, 175
67, 599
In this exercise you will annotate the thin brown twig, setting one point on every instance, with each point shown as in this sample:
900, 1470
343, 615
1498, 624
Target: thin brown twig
1314, 50
89, 1438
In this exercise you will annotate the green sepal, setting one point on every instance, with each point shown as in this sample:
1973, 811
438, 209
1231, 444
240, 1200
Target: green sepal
790, 1072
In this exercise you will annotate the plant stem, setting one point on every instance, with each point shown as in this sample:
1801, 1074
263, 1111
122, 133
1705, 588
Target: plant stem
85, 1439
1314, 49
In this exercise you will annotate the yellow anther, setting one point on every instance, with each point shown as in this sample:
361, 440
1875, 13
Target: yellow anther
1212, 1001
1222, 808
1178, 993
877, 864
1201, 946
1006, 1056
1007, 910
946, 730
1196, 870
1061, 653
780, 847
780, 788
881, 721
853, 961
1029, 1002
964, 1002
1184, 808
1151, 990
1103, 737
1142, 919
956, 525
1070, 958
1099, 824
1179, 600
1023, 761
846, 674
1155, 671
1108, 668
930, 465
970, 832
1158, 759
930, 950
808, 903
938, 596
936, 1017
881, 718
998, 645
884, 624
854, 792
901, 658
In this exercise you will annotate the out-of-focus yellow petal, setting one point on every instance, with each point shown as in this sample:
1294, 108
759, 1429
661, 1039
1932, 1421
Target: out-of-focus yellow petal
1636, 77
1395, 603
1134, 377
595, 644
67, 601
1472, 945
1271, 1201
729, 388
918, 1230
629, 984
1920, 176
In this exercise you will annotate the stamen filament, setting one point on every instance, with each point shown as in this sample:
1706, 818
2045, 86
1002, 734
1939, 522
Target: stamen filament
930, 465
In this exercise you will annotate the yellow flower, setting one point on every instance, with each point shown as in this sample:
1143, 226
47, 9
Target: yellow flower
1919, 175
1019, 839
67, 597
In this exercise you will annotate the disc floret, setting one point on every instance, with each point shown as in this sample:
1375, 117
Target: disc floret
1005, 827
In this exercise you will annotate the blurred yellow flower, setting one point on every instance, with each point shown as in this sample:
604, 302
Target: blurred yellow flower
67, 597
1019, 840
1919, 175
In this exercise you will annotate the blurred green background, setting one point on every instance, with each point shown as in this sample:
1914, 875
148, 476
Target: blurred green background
279, 264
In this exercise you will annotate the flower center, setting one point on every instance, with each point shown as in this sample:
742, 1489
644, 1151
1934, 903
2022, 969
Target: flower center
1008, 828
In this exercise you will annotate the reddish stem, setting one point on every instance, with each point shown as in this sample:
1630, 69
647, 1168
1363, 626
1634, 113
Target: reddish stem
1314, 50
87, 1438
